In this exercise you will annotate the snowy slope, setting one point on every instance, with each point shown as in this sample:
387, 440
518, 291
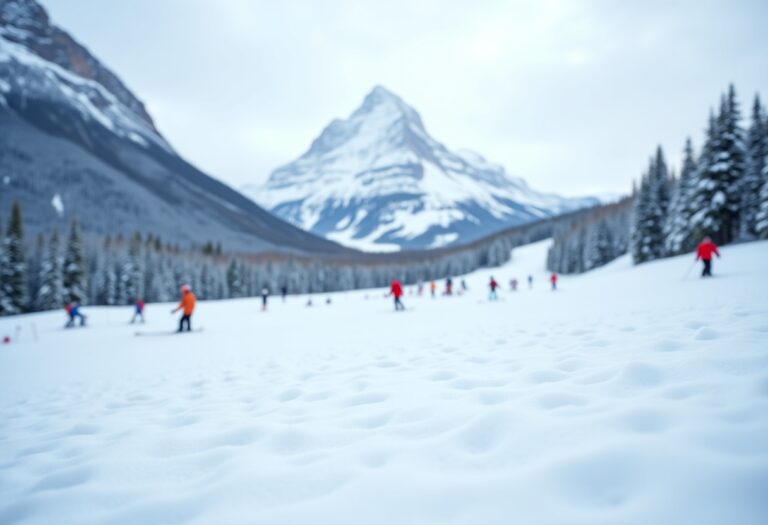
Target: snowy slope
629, 396
378, 181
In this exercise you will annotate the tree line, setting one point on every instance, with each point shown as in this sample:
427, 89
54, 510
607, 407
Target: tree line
58, 269
721, 192
594, 239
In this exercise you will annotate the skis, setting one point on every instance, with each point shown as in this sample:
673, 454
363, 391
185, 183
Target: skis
173, 332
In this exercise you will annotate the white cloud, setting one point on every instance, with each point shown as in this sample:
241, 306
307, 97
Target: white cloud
571, 95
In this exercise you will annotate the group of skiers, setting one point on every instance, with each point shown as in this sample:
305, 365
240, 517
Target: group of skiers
704, 252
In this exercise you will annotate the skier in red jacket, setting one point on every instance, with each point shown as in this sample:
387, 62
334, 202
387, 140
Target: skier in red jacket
396, 291
493, 285
553, 280
138, 311
704, 251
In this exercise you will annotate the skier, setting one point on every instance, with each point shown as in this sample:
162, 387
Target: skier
463, 285
704, 251
553, 280
73, 311
530, 282
284, 291
513, 285
264, 296
493, 285
187, 306
433, 288
139, 311
396, 291
448, 286
420, 288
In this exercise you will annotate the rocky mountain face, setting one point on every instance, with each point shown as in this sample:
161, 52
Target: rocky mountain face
378, 181
75, 141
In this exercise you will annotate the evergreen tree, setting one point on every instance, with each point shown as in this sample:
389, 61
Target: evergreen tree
651, 211
50, 295
603, 246
234, 279
74, 266
761, 218
107, 281
678, 237
132, 273
34, 269
13, 267
716, 198
756, 152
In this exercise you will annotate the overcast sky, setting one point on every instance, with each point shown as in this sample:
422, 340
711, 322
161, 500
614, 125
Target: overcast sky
573, 96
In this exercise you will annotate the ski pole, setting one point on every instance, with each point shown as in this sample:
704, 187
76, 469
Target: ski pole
689, 270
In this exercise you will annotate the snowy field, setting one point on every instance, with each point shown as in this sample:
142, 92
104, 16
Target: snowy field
631, 395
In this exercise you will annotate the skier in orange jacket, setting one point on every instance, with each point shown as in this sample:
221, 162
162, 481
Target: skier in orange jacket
187, 306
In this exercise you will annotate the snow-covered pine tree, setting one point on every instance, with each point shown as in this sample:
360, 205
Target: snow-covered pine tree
74, 266
752, 182
651, 211
107, 278
678, 235
50, 295
640, 241
601, 250
13, 267
761, 218
34, 268
132, 273
234, 279
721, 168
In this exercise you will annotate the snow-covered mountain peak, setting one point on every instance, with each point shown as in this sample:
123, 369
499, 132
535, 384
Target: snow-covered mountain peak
29, 39
382, 120
378, 180
382, 104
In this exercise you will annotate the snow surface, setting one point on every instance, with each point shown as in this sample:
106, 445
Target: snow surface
630, 395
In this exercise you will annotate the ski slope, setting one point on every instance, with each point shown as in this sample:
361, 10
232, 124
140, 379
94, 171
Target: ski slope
629, 396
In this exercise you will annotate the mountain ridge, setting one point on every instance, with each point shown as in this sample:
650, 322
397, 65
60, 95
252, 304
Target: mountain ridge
76, 142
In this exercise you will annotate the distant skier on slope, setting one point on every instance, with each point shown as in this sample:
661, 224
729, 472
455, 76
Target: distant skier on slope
493, 285
284, 291
420, 288
704, 251
553, 280
264, 297
138, 311
463, 285
530, 282
73, 311
433, 288
448, 286
187, 306
396, 291
513, 284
